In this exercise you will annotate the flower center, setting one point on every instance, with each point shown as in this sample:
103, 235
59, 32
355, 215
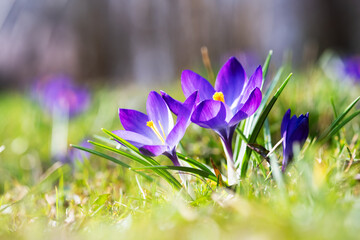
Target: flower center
219, 96
153, 127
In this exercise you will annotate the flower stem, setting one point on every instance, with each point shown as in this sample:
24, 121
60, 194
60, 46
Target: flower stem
173, 157
59, 135
232, 175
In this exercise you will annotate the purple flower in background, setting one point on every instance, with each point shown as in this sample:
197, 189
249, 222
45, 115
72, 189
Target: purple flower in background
58, 92
233, 99
352, 67
155, 134
294, 130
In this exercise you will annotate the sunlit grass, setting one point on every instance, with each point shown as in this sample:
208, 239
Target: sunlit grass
96, 198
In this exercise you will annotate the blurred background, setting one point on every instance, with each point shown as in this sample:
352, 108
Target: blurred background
147, 41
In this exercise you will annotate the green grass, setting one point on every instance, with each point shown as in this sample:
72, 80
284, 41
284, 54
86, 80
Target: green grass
98, 199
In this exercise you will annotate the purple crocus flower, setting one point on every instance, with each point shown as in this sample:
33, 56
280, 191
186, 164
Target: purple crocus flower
294, 130
59, 93
155, 134
352, 67
233, 99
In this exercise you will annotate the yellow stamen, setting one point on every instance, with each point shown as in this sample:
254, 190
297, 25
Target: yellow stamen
153, 127
162, 129
219, 96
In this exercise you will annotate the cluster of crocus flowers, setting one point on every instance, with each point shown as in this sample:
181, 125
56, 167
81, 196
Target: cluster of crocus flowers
221, 108
155, 133
294, 130
234, 98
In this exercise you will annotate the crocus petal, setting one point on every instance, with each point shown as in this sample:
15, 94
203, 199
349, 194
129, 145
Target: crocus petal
249, 107
188, 107
285, 121
287, 145
239, 116
291, 127
298, 137
255, 81
294, 130
302, 131
182, 121
174, 105
135, 121
191, 82
210, 114
158, 111
153, 150
135, 139
287, 157
176, 134
230, 80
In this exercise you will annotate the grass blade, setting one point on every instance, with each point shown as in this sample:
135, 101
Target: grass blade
259, 124
267, 95
195, 171
114, 160
247, 126
338, 119
242, 135
162, 172
267, 135
123, 153
334, 108
275, 171
266, 64
342, 124
128, 155
194, 163
106, 140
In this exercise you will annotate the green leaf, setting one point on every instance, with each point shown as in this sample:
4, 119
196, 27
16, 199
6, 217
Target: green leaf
195, 171
267, 95
334, 108
247, 126
111, 159
266, 64
194, 163
121, 152
340, 125
241, 135
162, 172
267, 135
275, 171
337, 120
106, 140
259, 124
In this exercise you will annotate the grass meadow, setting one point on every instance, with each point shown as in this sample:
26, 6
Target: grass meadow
317, 197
